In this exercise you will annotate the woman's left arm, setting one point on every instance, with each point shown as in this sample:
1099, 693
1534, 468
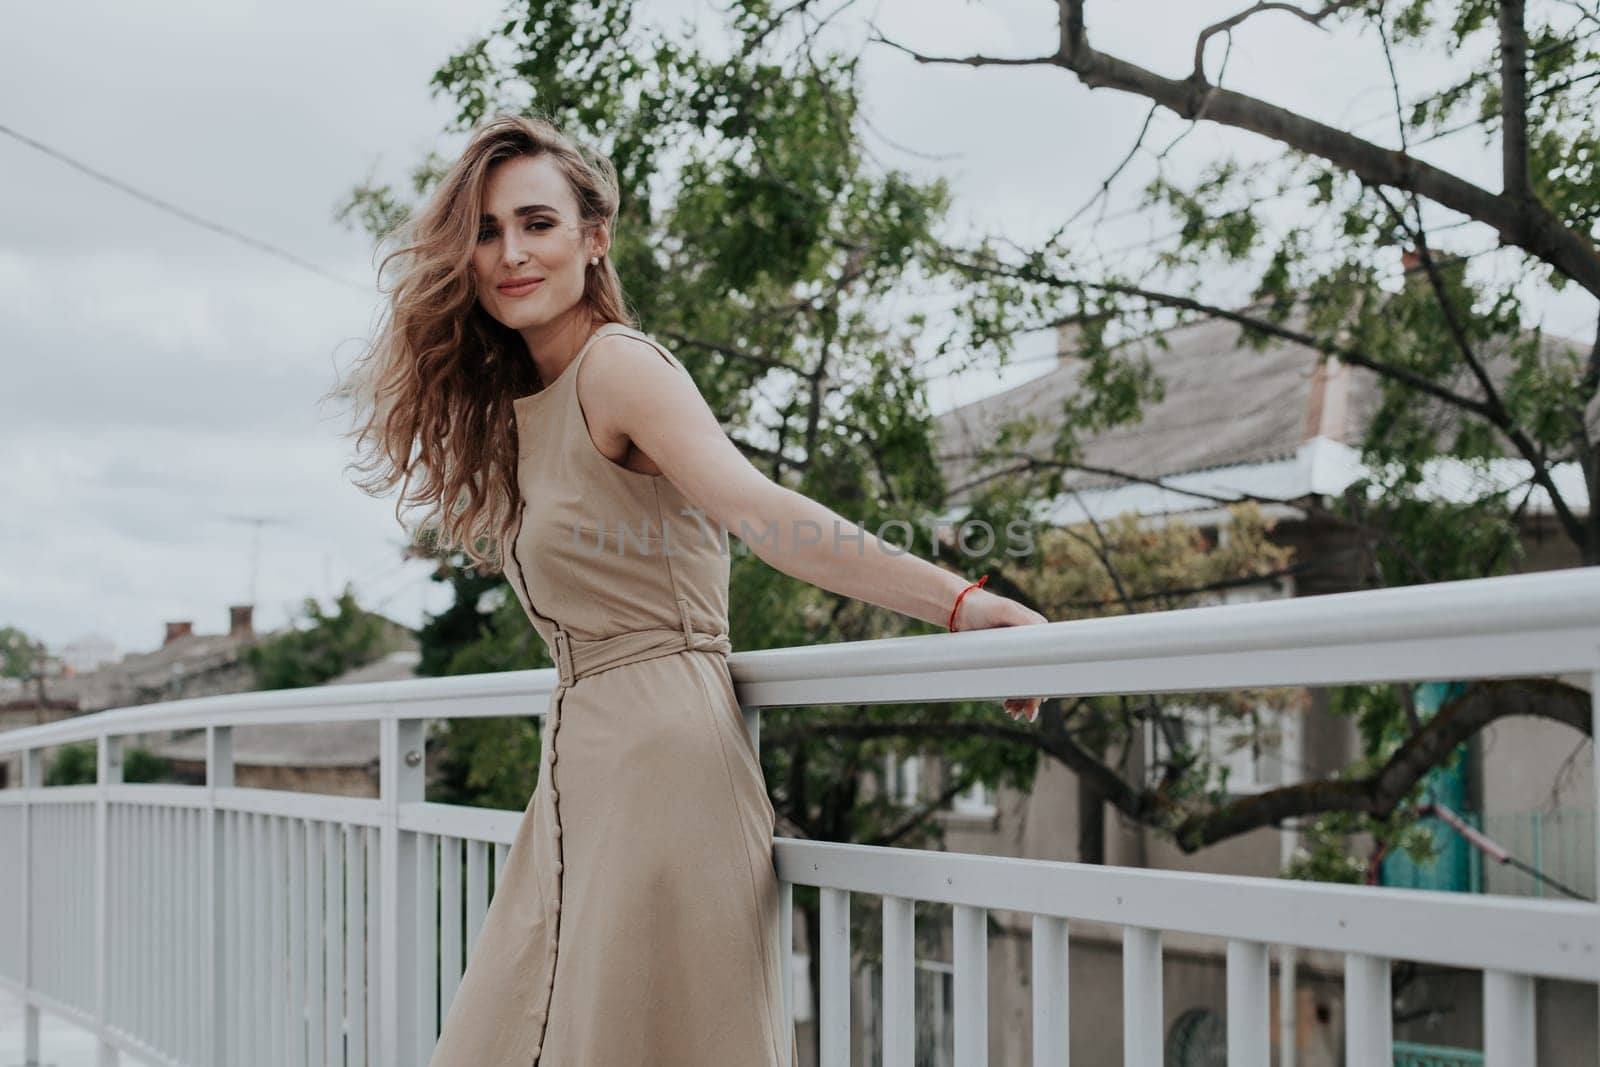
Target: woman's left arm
634, 393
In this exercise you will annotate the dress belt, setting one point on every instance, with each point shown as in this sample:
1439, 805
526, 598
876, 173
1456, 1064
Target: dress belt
576, 657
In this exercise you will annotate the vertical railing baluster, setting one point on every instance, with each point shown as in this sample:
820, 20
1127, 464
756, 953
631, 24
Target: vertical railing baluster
32, 779
477, 890
752, 725
374, 947
834, 1024
1142, 1017
786, 953
314, 938
219, 775
355, 917
1051, 1023
299, 1054
266, 962
144, 921
121, 923
1248, 1005
333, 942
1368, 1009
972, 984
244, 955
236, 944
167, 849
899, 981
449, 920
400, 781
194, 922
279, 956
1594, 783
1510, 1024
108, 770
427, 988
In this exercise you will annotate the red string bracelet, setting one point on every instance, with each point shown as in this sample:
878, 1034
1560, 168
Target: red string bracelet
952, 624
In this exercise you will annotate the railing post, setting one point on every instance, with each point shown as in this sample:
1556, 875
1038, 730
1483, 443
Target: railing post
899, 981
108, 769
1142, 1015
401, 780
833, 1024
1249, 998
752, 725
1368, 1010
1051, 997
1509, 1034
971, 958
32, 778
1288, 1005
219, 983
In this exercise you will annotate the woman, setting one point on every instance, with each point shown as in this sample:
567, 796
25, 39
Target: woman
637, 919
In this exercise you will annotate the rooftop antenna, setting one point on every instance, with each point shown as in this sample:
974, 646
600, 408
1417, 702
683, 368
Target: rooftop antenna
257, 521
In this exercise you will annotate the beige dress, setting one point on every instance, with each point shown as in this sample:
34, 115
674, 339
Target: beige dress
636, 922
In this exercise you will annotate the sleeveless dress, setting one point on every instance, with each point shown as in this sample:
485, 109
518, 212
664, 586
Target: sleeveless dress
636, 922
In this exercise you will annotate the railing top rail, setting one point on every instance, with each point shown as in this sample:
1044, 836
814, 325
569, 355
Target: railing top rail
1533, 624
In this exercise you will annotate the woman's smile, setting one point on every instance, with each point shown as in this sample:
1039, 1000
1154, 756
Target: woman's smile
519, 286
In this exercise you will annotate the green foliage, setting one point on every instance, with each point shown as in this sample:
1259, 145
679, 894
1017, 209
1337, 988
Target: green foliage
21, 656
75, 764
323, 646
757, 233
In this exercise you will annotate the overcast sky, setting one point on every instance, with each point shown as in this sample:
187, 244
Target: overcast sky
161, 381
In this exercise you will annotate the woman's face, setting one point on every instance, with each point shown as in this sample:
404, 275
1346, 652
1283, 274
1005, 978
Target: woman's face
529, 230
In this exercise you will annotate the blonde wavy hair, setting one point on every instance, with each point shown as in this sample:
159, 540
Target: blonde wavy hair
436, 382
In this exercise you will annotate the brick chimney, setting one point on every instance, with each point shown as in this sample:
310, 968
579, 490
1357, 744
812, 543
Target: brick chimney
176, 630
240, 620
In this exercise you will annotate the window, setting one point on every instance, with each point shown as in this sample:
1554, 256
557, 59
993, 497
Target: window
902, 778
978, 800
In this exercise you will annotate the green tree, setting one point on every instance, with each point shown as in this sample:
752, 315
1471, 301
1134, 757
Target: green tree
23, 658
762, 240
1467, 374
75, 764
321, 645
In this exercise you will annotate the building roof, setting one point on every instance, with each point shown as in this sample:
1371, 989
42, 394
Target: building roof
338, 744
1276, 421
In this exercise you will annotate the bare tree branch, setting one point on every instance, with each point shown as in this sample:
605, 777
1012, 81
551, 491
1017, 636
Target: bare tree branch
1314, 17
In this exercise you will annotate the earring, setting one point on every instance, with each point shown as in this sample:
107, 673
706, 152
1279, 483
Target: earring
593, 260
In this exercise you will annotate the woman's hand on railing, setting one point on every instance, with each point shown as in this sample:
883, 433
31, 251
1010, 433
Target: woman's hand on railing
983, 610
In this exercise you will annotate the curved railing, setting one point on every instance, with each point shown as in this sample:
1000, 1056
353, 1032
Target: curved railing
215, 924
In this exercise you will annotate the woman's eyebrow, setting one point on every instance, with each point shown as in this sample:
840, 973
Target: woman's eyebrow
525, 209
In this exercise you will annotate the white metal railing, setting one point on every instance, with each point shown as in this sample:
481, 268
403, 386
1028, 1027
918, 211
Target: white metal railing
219, 925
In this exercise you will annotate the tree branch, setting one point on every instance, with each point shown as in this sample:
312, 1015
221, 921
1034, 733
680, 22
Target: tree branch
1514, 182
1528, 225
1314, 17
1496, 412
1377, 794
1250, 322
